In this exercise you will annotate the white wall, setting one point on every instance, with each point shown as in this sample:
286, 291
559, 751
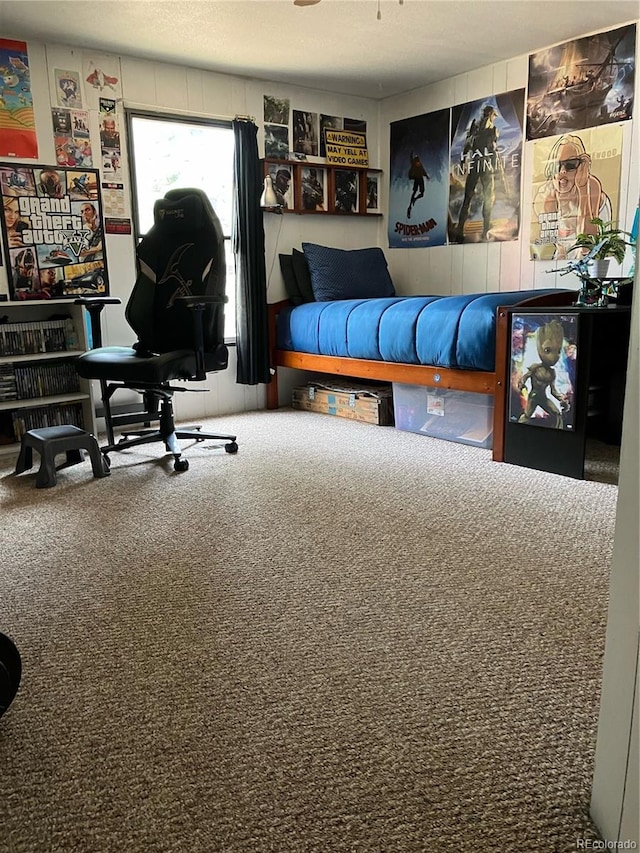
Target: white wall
614, 803
169, 88
487, 266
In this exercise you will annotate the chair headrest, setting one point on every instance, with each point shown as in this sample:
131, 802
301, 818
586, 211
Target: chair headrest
186, 213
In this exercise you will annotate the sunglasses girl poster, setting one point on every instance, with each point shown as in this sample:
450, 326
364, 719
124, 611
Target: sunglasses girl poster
576, 177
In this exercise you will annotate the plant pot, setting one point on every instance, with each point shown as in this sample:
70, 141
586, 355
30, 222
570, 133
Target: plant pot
598, 269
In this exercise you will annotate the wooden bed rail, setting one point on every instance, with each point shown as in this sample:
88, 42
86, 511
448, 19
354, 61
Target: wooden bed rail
476, 381
273, 309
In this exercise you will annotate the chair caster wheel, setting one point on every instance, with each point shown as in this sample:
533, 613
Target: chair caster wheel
181, 465
231, 447
106, 462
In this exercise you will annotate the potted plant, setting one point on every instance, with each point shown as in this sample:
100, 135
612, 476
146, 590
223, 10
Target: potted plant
611, 241
606, 242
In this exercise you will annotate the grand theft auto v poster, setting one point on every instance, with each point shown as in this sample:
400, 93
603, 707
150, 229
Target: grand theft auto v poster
52, 232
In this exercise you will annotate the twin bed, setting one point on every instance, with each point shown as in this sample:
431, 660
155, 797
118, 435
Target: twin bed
455, 342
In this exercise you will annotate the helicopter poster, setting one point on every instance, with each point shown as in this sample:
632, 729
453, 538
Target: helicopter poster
544, 359
582, 83
52, 231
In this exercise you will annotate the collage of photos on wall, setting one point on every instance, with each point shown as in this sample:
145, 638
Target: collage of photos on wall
300, 136
52, 232
87, 126
455, 174
293, 134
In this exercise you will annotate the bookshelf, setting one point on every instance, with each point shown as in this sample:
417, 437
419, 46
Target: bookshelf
39, 343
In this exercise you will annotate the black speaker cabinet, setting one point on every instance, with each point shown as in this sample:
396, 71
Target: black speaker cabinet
566, 374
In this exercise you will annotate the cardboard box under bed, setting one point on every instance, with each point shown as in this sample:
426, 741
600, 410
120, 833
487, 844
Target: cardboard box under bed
372, 404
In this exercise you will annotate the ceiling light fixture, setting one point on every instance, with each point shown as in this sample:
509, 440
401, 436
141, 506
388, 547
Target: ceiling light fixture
379, 15
315, 2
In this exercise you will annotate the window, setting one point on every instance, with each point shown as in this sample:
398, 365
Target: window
168, 151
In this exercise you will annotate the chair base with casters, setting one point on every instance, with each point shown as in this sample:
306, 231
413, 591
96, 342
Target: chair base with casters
158, 406
176, 308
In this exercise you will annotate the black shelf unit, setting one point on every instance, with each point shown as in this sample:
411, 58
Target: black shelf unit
602, 347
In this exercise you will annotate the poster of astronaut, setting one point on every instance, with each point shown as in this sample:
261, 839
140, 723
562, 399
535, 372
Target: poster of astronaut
544, 359
52, 231
582, 83
485, 169
576, 177
419, 181
17, 121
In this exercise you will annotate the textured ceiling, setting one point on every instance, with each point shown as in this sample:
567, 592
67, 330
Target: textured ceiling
336, 45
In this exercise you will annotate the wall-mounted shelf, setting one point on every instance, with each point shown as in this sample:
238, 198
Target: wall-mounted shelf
325, 189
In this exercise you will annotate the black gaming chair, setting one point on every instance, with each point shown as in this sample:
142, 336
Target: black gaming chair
176, 309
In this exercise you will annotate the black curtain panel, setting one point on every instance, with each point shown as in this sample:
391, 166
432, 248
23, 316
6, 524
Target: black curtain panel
248, 247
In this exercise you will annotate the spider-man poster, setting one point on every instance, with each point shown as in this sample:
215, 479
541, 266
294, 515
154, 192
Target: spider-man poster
52, 231
419, 181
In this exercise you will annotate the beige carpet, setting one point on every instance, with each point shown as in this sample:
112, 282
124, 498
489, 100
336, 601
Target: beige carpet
345, 638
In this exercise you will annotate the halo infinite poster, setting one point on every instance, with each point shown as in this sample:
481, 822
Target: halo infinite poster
486, 163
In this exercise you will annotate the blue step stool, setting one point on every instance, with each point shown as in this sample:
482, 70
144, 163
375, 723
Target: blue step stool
51, 441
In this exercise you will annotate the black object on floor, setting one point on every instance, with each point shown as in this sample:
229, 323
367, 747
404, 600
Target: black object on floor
10, 672
50, 441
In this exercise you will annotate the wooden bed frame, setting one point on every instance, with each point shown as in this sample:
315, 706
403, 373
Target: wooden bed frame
476, 381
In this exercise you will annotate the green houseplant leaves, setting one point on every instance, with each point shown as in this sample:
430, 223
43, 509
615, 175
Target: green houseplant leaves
614, 245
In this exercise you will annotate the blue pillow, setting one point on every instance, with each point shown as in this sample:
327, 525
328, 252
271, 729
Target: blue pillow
347, 273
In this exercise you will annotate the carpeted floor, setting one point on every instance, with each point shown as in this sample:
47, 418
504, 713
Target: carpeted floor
345, 638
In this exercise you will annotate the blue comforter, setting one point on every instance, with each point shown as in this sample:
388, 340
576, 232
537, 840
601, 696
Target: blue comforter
441, 331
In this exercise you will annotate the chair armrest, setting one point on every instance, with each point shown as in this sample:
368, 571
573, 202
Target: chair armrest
201, 300
97, 300
196, 304
94, 305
